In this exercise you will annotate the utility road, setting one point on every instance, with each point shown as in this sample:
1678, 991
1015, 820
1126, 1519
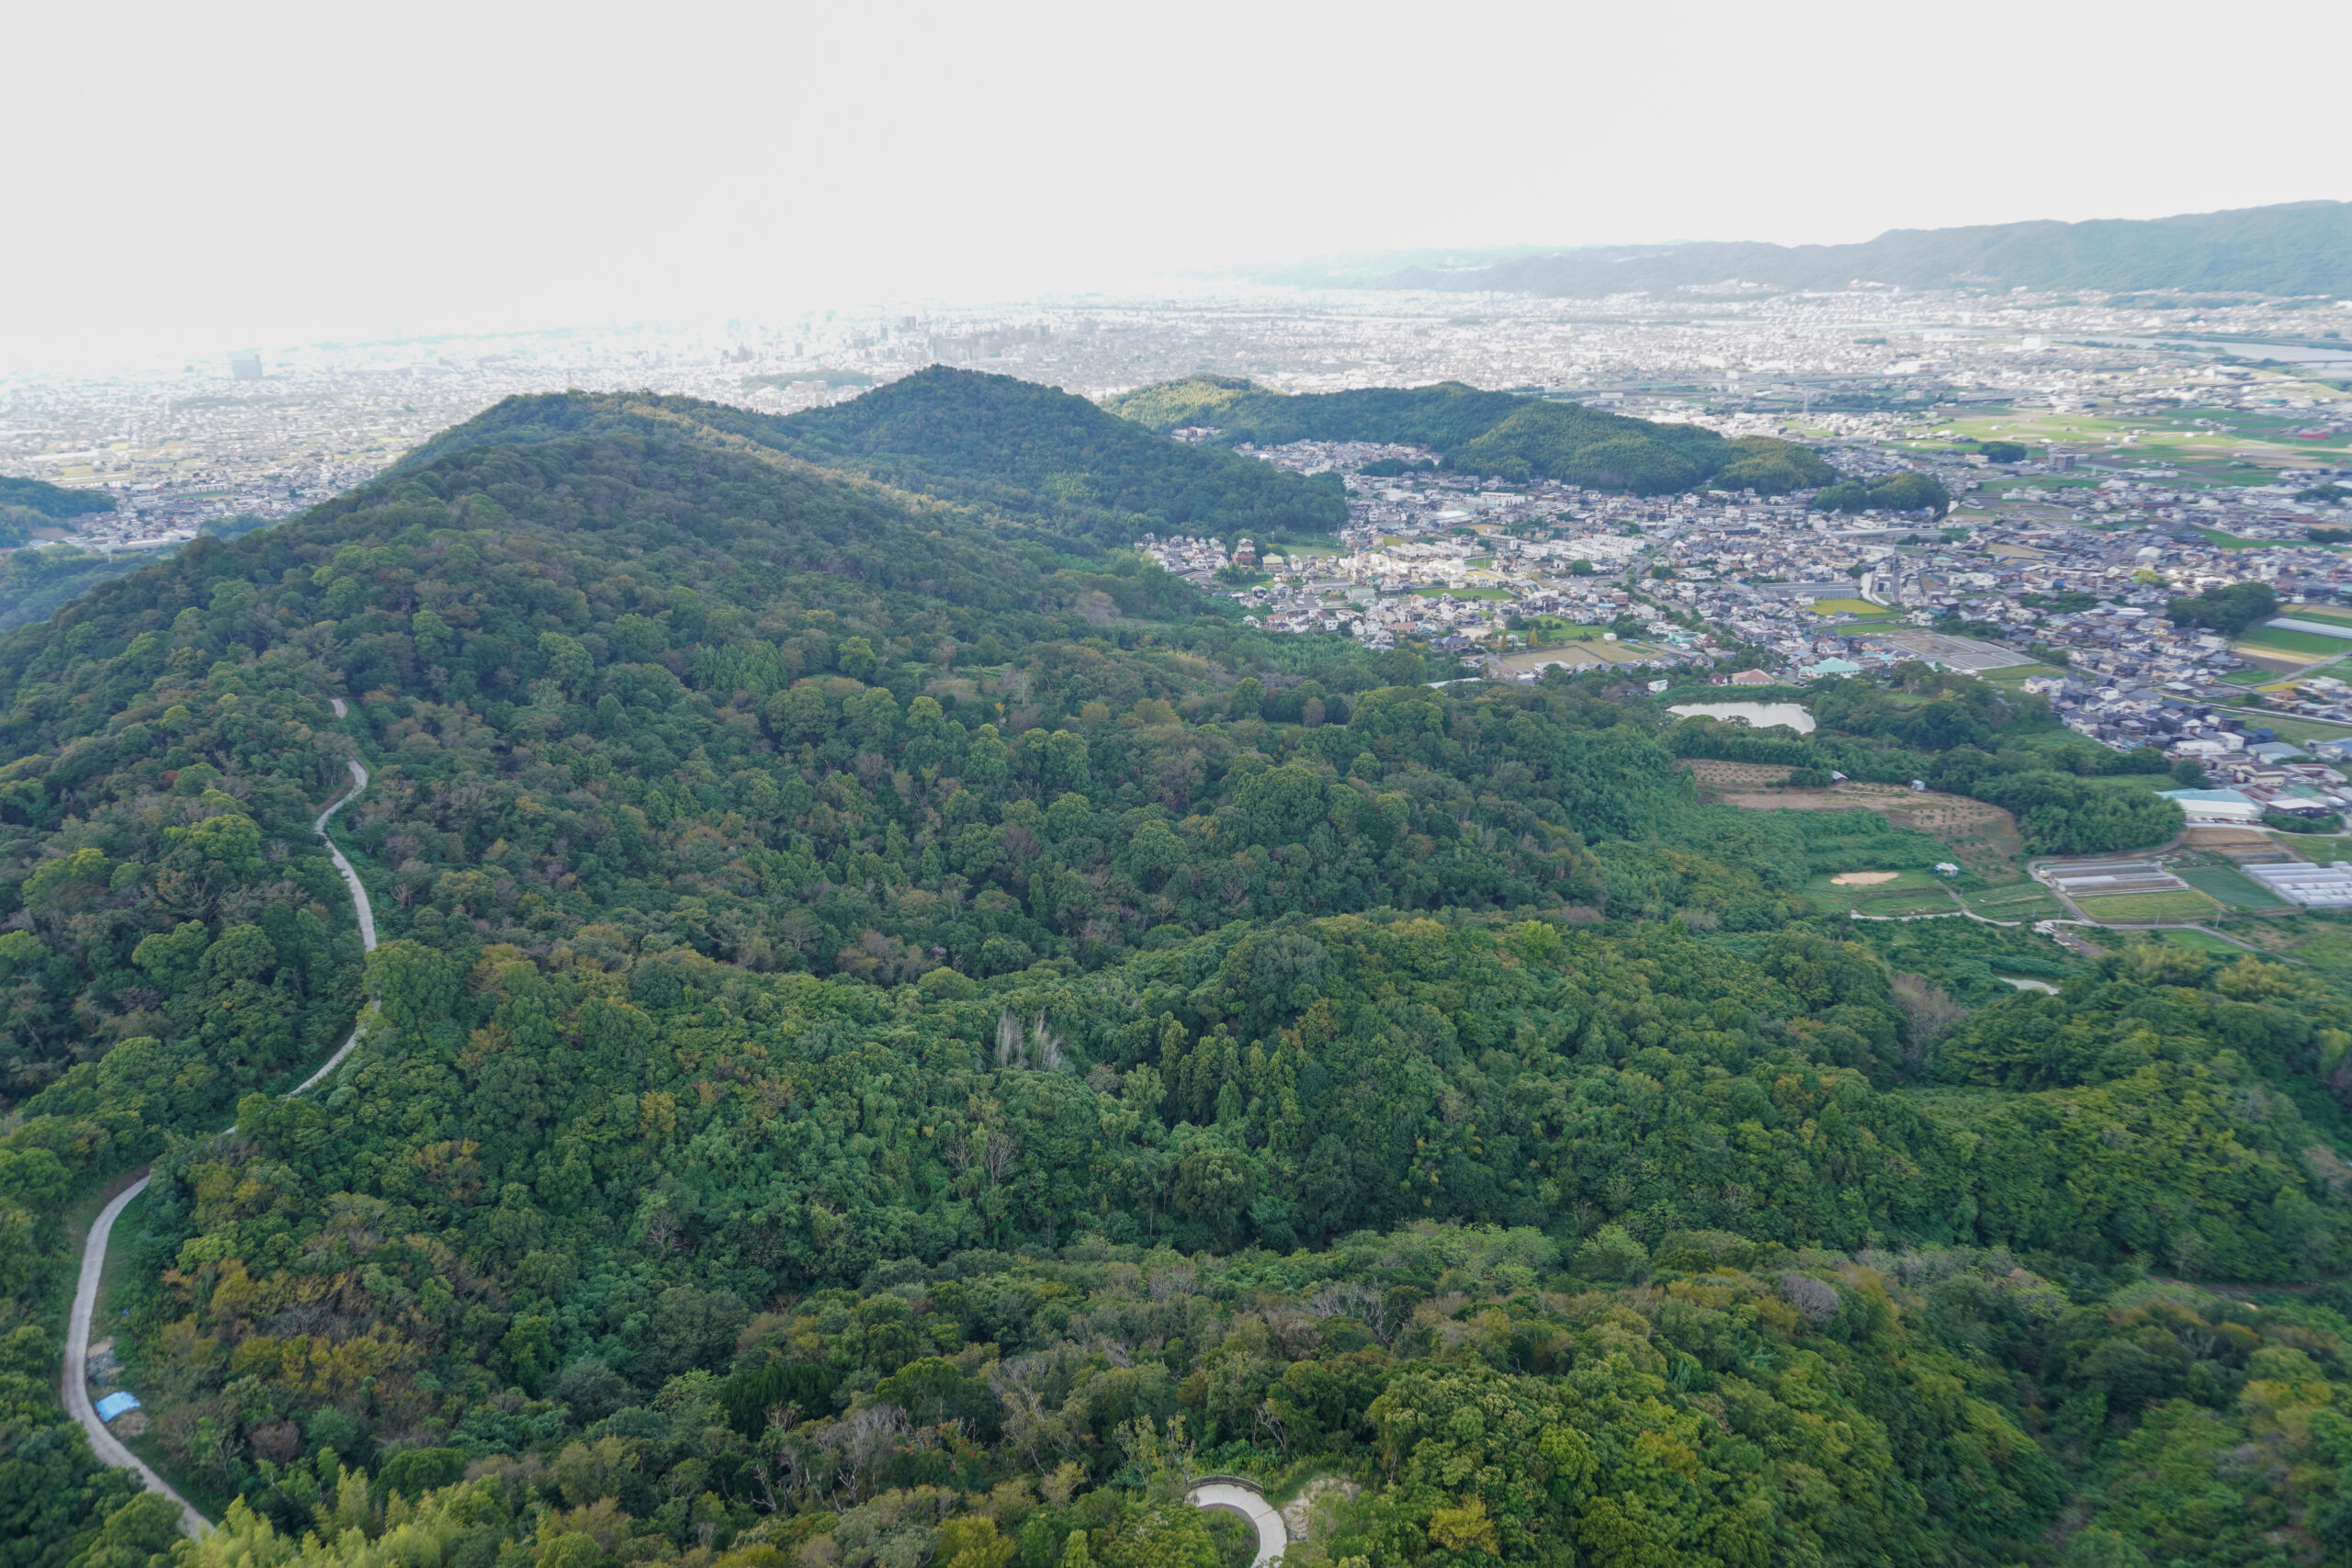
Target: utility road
104, 1443
1237, 1496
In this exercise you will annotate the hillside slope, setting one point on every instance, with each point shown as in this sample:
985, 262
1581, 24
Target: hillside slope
1012, 447
902, 1038
52, 501
2295, 248
1497, 432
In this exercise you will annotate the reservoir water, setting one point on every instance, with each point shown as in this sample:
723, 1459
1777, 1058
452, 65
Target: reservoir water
1760, 715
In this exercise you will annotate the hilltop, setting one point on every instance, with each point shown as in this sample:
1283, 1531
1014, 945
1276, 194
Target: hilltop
1008, 447
1494, 433
2294, 248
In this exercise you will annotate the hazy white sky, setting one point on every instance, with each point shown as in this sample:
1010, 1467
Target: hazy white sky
187, 178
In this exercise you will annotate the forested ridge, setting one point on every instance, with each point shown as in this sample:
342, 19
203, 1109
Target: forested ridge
904, 1032
1016, 449
29, 504
1502, 434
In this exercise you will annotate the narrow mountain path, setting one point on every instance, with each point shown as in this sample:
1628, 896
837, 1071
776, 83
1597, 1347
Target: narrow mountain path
359, 906
104, 1443
1236, 1495
77, 1387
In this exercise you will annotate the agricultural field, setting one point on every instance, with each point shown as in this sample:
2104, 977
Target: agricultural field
1892, 893
1581, 654
2015, 675
2014, 901
2133, 909
2265, 639
2319, 848
2233, 888
1902, 906
2201, 436
2291, 727
1713, 775
2199, 942
2220, 541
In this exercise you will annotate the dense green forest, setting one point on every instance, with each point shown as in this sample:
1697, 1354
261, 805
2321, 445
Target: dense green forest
52, 501
1487, 433
28, 505
34, 583
1016, 449
902, 1033
2229, 610
1908, 492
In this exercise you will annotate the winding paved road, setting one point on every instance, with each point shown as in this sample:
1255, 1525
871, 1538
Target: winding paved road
1239, 1497
359, 906
77, 1388
104, 1443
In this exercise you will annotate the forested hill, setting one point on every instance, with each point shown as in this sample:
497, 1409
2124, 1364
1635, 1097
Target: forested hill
28, 504
52, 501
1015, 444
1485, 433
1013, 447
2295, 248
898, 1041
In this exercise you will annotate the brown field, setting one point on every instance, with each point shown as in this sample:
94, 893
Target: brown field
1985, 837
1582, 654
2228, 838
1716, 775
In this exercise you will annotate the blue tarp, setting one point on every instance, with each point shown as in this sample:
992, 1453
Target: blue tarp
114, 1405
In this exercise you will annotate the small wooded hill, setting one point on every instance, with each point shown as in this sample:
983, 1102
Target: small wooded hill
28, 504
52, 501
1013, 448
1038, 451
1503, 433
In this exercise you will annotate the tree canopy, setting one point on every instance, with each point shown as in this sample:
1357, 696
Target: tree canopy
2228, 610
1491, 433
1909, 490
903, 1034
52, 501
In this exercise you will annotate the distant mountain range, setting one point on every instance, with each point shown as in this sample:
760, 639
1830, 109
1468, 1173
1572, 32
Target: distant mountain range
2295, 248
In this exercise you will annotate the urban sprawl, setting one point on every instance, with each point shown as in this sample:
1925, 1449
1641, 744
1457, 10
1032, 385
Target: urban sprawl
2103, 459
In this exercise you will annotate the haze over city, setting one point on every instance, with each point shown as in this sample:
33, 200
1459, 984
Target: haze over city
194, 181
